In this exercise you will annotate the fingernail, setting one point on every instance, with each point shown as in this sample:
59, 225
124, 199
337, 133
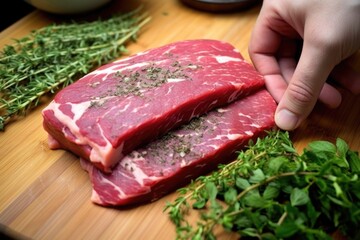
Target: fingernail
286, 120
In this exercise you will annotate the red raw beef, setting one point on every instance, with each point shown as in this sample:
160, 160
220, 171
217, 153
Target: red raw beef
150, 172
122, 105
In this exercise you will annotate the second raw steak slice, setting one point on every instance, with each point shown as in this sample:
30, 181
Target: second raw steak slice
150, 172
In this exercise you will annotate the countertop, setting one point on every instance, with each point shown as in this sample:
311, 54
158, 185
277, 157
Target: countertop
45, 194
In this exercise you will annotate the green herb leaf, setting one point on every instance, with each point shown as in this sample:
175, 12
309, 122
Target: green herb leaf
271, 192
275, 164
299, 197
287, 230
322, 146
199, 204
257, 176
242, 183
342, 148
253, 199
354, 161
211, 190
230, 196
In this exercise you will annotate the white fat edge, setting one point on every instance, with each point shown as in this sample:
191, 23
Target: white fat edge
183, 163
78, 110
238, 85
225, 59
175, 80
222, 110
98, 152
105, 181
114, 69
244, 115
180, 135
118, 67
249, 133
215, 147
95, 197
192, 67
253, 124
129, 163
229, 136
234, 136
69, 122
106, 71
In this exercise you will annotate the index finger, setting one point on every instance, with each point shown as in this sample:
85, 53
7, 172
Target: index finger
263, 46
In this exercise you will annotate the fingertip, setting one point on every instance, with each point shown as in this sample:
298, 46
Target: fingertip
286, 120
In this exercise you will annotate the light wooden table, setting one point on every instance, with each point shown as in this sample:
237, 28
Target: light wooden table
45, 194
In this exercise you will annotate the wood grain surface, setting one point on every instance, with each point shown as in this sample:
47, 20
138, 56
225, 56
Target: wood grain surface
44, 194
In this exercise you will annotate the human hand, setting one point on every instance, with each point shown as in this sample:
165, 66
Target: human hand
297, 45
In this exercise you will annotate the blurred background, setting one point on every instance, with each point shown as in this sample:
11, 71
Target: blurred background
14, 10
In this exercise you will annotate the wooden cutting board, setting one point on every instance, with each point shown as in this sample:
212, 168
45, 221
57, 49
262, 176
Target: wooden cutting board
45, 194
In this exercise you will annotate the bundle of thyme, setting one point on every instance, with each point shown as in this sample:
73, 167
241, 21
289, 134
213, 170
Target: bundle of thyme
272, 192
57, 55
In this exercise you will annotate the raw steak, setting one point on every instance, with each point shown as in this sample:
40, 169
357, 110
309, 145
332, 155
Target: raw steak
148, 173
121, 105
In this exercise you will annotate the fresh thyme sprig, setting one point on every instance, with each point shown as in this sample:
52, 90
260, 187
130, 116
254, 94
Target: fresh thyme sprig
53, 57
272, 192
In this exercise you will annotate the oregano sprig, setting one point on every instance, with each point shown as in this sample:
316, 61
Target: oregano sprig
272, 192
53, 57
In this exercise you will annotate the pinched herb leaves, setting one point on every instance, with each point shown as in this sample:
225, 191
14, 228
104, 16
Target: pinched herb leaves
272, 192
52, 57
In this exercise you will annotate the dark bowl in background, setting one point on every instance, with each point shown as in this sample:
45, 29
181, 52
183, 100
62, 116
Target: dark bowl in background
220, 5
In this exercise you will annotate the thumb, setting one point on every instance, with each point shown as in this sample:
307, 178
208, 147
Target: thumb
304, 88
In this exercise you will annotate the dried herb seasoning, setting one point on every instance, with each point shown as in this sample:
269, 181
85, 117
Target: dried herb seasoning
135, 82
176, 146
53, 57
